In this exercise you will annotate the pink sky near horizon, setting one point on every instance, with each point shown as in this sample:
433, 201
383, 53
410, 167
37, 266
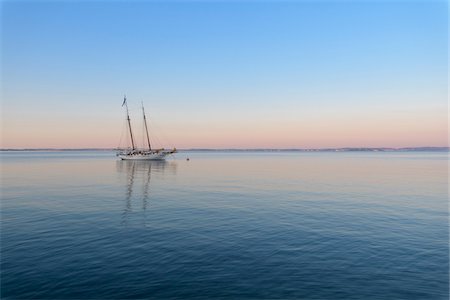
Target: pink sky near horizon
363, 129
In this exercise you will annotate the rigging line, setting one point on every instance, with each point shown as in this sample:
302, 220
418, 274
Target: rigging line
158, 142
143, 133
166, 140
124, 127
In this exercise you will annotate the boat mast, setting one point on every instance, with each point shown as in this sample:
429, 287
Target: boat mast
146, 129
129, 123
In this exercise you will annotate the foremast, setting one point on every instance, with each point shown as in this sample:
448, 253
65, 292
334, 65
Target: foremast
129, 122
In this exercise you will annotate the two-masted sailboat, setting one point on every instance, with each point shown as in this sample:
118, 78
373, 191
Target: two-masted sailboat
134, 153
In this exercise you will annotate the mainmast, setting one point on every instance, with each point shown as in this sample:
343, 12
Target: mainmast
129, 122
146, 129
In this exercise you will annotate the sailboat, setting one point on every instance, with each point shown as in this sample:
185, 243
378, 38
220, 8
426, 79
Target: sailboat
134, 153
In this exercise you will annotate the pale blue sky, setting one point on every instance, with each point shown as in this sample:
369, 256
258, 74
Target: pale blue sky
216, 67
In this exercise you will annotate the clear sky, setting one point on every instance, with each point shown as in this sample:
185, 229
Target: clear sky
237, 74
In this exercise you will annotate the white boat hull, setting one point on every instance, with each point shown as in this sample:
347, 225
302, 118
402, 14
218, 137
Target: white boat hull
145, 155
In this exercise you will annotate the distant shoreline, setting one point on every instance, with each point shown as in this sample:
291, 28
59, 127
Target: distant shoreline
347, 149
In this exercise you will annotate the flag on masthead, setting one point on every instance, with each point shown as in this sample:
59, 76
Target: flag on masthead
124, 100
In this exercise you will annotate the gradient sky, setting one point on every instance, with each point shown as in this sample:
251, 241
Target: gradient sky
240, 74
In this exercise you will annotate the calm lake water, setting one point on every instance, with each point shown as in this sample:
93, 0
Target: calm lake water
354, 225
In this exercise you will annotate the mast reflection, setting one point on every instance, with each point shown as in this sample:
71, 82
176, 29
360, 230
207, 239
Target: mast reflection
138, 176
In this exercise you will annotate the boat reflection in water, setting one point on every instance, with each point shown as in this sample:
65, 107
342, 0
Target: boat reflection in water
138, 175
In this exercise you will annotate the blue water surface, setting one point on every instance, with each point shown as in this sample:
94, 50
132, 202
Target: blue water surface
225, 225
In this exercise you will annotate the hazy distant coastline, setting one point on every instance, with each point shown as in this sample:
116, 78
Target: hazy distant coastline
349, 149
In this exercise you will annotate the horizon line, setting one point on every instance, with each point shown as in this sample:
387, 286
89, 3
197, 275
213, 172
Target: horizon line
248, 149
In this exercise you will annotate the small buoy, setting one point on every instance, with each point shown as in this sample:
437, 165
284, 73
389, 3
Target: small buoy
187, 159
